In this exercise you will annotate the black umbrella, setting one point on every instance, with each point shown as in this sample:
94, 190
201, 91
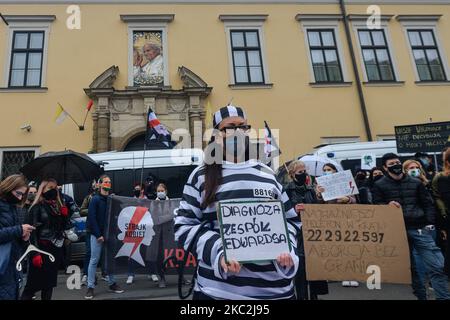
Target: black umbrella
64, 166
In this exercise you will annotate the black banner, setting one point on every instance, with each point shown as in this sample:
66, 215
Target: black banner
426, 137
140, 236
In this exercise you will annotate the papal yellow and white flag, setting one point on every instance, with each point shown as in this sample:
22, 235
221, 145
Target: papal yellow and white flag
61, 114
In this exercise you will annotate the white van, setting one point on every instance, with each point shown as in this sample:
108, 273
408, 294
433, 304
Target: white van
172, 166
349, 154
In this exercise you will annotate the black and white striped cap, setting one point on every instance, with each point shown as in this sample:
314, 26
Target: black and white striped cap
226, 112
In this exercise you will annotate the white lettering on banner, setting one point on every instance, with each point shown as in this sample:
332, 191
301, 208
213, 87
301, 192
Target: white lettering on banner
246, 226
136, 226
337, 185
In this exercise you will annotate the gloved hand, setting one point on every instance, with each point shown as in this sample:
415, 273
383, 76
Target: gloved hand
64, 211
37, 261
72, 236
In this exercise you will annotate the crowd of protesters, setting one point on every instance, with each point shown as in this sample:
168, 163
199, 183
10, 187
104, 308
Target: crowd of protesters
40, 215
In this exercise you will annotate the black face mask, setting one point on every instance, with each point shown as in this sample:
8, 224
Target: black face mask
137, 193
12, 199
377, 178
50, 194
360, 176
300, 178
396, 169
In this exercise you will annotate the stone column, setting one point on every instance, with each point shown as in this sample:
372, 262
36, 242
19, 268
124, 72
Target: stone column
103, 126
195, 122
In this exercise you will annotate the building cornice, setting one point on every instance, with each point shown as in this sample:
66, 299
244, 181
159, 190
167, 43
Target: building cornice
318, 17
29, 18
243, 17
364, 17
364, 2
147, 18
418, 17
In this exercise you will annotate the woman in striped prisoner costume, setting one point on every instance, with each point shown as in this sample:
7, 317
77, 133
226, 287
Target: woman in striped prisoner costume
232, 174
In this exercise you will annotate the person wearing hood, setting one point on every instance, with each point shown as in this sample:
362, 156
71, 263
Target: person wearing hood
13, 192
409, 194
301, 191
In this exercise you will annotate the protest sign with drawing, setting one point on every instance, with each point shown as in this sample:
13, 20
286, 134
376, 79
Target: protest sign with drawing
368, 161
337, 185
342, 241
253, 231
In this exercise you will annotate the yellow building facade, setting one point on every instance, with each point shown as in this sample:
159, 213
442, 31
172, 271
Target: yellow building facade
286, 62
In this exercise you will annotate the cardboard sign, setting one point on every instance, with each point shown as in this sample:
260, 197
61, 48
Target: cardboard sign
342, 241
426, 137
337, 185
368, 161
253, 231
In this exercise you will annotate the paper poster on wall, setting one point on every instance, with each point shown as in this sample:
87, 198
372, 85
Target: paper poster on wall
253, 231
337, 185
343, 242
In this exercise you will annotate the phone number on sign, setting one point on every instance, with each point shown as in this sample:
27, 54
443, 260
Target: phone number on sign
345, 236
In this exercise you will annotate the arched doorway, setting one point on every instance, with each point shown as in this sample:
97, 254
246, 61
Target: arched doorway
137, 144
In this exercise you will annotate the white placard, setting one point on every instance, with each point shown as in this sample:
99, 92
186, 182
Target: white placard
253, 230
337, 185
368, 161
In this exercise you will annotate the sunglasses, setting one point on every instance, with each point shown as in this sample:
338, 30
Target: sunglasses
232, 129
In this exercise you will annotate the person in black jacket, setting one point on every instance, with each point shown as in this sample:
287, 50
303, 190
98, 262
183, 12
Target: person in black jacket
97, 217
409, 194
13, 191
301, 191
51, 219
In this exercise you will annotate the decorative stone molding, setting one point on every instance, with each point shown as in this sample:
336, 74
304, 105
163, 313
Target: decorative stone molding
106, 79
146, 18
29, 18
418, 17
365, 17
242, 17
120, 115
318, 17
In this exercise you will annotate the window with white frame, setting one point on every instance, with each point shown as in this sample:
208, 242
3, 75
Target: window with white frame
427, 55
376, 56
245, 39
375, 49
25, 66
324, 55
12, 159
322, 40
247, 59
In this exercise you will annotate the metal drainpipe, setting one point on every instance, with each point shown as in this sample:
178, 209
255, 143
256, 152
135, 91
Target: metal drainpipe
355, 71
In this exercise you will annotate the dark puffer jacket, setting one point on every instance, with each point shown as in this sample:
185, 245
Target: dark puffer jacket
417, 204
10, 231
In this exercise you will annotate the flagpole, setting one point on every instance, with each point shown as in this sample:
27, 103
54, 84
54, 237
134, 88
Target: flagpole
87, 112
145, 147
69, 115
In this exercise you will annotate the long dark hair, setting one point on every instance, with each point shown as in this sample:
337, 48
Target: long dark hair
213, 176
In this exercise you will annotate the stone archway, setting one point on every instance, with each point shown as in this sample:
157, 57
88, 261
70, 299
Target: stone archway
120, 115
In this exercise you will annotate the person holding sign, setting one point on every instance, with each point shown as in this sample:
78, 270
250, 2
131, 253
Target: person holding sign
409, 194
328, 169
230, 173
301, 191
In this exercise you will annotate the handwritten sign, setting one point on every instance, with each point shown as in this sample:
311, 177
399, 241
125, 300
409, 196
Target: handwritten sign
426, 137
342, 241
253, 231
337, 185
